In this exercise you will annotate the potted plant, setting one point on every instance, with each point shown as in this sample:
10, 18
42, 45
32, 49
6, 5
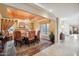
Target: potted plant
52, 37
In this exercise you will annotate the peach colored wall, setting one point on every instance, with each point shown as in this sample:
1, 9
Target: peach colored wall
52, 26
2, 10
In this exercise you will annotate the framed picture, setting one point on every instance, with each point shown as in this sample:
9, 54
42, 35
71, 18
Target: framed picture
21, 25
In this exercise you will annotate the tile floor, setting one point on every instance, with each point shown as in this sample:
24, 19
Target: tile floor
68, 47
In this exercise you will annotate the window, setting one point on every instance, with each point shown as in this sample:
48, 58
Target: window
44, 28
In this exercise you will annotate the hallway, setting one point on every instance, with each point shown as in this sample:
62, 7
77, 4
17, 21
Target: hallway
69, 47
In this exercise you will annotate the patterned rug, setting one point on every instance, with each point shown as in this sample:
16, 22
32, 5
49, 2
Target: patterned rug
33, 49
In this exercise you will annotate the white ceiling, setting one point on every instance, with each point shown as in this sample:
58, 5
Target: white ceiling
32, 8
65, 11
68, 12
29, 7
62, 9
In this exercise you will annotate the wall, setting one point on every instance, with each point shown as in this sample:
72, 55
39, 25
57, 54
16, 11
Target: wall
2, 10
52, 26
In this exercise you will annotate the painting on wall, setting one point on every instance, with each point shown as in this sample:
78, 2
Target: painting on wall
22, 25
74, 30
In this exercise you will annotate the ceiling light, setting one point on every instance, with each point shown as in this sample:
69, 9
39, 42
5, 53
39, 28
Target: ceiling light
50, 10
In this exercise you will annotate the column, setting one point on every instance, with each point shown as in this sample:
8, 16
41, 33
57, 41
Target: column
57, 30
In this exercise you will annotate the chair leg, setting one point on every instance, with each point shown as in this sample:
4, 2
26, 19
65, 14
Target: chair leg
20, 43
29, 45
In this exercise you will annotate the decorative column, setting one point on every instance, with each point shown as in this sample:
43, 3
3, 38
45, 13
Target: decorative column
57, 30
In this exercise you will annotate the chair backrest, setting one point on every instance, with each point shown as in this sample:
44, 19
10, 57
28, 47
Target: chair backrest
5, 39
17, 35
31, 35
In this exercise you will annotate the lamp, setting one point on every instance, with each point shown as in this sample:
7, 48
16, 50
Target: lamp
62, 26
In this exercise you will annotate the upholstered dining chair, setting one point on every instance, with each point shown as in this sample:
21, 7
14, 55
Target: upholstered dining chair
31, 36
17, 38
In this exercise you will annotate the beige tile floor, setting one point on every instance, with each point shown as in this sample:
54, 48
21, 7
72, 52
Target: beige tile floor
68, 47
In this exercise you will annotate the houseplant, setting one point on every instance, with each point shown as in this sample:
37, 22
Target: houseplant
52, 37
